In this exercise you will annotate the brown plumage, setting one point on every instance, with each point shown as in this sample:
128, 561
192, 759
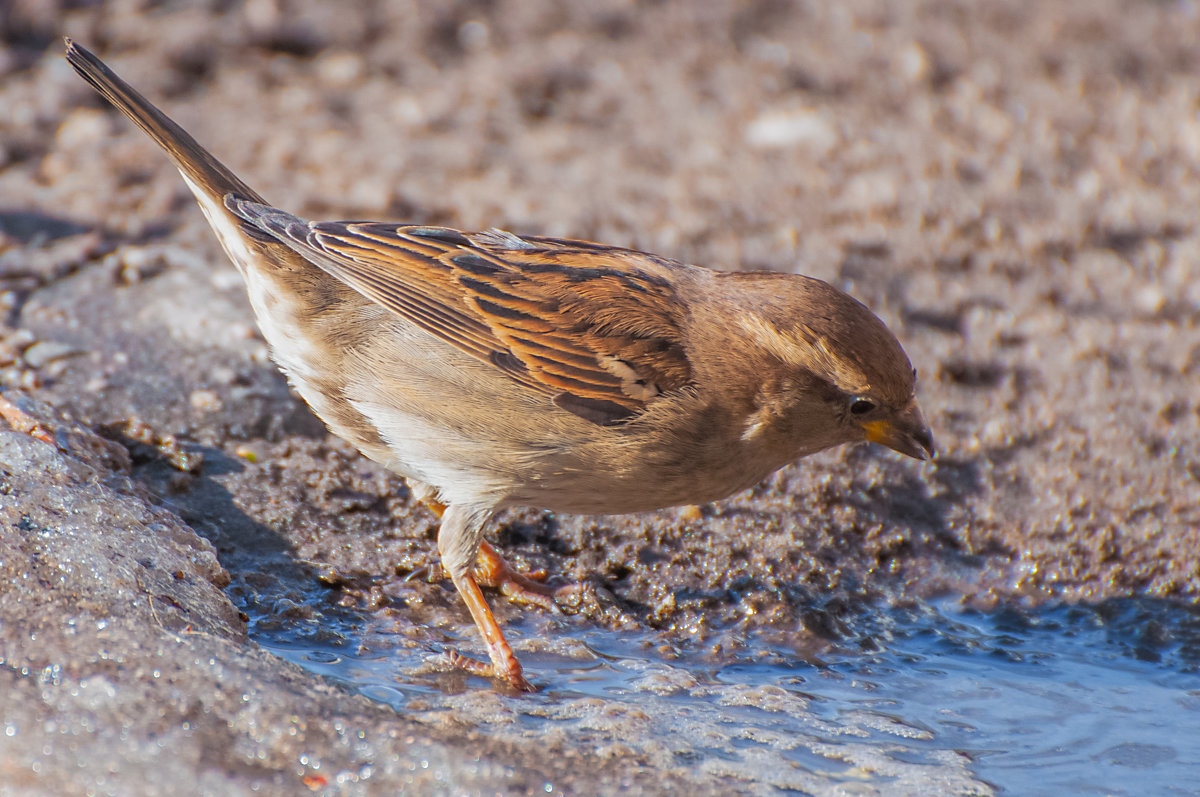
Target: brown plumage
494, 370
593, 327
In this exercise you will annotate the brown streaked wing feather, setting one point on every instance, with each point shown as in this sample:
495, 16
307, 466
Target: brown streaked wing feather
600, 302
558, 310
595, 328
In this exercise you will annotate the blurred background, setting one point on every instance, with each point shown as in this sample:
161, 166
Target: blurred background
1011, 186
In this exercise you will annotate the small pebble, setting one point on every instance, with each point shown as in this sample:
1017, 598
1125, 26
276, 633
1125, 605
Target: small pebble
248, 452
1149, 300
134, 264
803, 127
205, 400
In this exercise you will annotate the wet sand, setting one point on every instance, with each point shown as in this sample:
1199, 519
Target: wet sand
1013, 189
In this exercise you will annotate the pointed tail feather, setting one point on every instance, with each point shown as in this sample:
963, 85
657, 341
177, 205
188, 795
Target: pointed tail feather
202, 171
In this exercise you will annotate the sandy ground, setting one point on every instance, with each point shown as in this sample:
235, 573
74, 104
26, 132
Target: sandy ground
1012, 187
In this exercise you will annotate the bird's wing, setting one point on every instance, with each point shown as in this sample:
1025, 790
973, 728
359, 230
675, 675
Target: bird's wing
595, 328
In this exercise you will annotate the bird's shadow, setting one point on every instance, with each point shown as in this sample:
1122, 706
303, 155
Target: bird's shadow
264, 566
31, 228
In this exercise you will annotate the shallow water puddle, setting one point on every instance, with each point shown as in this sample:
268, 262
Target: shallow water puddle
1067, 701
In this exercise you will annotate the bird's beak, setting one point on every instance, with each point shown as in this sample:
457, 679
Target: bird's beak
904, 432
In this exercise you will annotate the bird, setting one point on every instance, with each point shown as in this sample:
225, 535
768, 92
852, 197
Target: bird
494, 370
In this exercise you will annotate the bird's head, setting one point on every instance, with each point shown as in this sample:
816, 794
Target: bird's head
836, 373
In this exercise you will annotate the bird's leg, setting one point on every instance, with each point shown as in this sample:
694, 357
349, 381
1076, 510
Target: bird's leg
504, 664
492, 571
458, 543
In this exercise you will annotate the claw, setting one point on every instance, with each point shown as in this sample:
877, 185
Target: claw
492, 571
474, 667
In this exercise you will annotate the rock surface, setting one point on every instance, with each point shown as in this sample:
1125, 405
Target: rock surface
1012, 187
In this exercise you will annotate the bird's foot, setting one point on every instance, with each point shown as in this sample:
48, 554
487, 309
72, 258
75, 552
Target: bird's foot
511, 677
492, 571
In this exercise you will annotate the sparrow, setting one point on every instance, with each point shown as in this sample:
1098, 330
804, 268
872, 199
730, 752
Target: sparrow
494, 370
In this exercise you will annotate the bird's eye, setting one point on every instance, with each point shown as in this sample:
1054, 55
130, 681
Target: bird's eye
861, 406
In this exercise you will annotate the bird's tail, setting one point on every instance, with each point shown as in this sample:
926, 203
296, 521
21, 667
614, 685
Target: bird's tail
203, 172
